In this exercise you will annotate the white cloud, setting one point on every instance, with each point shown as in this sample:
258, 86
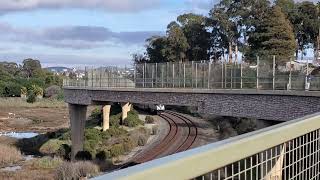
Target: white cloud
108, 5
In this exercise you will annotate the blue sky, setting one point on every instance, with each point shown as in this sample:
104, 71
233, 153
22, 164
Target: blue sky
90, 32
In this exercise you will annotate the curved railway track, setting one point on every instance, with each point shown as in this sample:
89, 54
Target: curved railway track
181, 136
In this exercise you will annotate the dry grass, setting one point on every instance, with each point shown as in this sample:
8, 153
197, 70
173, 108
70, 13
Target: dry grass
77, 170
43, 103
9, 155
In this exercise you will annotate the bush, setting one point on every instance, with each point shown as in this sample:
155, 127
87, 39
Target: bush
48, 163
103, 155
60, 96
128, 144
115, 120
52, 146
64, 151
96, 113
149, 120
154, 130
12, 89
9, 155
116, 150
31, 97
24, 91
78, 170
133, 119
52, 91
142, 140
83, 156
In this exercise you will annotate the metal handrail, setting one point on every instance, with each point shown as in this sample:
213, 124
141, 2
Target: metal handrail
196, 162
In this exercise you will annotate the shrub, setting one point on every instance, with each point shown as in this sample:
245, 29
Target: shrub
38, 91
64, 151
96, 113
142, 140
60, 96
115, 120
24, 91
48, 163
83, 156
128, 144
9, 155
116, 150
12, 89
103, 155
132, 120
154, 130
52, 146
31, 97
78, 170
245, 125
149, 120
52, 91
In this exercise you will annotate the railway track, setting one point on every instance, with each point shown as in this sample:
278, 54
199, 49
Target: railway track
181, 136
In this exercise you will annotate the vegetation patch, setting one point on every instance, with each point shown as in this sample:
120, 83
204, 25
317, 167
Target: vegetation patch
47, 163
9, 155
76, 170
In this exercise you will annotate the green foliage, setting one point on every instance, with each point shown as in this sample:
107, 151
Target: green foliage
115, 120
52, 146
24, 91
38, 91
117, 150
133, 119
11, 89
31, 98
96, 113
274, 36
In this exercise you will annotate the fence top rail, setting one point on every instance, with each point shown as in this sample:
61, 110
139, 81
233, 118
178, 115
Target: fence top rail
198, 161
201, 91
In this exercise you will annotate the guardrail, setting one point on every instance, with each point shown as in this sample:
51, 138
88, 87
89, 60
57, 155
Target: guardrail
286, 151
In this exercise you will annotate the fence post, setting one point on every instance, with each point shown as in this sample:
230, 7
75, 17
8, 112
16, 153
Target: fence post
191, 74
241, 74
173, 75
196, 75
274, 73
209, 73
290, 76
307, 85
162, 75
143, 75
156, 74
222, 74
258, 62
184, 75
135, 75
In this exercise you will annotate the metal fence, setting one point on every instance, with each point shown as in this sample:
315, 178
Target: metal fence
288, 151
264, 74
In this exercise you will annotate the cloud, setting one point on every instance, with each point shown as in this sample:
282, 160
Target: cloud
74, 37
108, 5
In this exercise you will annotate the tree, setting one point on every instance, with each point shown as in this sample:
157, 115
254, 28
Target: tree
31, 67
274, 36
177, 44
198, 38
139, 58
156, 49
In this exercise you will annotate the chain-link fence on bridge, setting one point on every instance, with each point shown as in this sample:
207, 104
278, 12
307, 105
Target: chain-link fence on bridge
264, 74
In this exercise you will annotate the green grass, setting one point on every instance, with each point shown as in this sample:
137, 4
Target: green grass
47, 163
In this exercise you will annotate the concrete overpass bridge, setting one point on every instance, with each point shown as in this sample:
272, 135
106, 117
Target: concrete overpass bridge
290, 97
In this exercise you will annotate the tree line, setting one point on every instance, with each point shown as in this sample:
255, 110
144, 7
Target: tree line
29, 77
282, 28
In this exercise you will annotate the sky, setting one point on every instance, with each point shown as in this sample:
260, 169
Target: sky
85, 32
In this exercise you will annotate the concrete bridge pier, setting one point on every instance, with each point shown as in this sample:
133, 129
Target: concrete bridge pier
126, 107
77, 115
106, 117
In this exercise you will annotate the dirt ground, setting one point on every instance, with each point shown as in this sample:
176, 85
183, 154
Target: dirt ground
37, 119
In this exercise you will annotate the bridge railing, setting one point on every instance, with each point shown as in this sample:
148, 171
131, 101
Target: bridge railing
286, 151
261, 74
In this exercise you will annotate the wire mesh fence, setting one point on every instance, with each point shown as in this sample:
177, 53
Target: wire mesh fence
297, 159
261, 74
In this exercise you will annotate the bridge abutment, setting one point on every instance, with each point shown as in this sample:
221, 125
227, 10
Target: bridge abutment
77, 115
126, 107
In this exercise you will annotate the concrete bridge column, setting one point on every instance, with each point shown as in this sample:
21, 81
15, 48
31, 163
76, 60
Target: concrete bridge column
77, 115
126, 107
106, 116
